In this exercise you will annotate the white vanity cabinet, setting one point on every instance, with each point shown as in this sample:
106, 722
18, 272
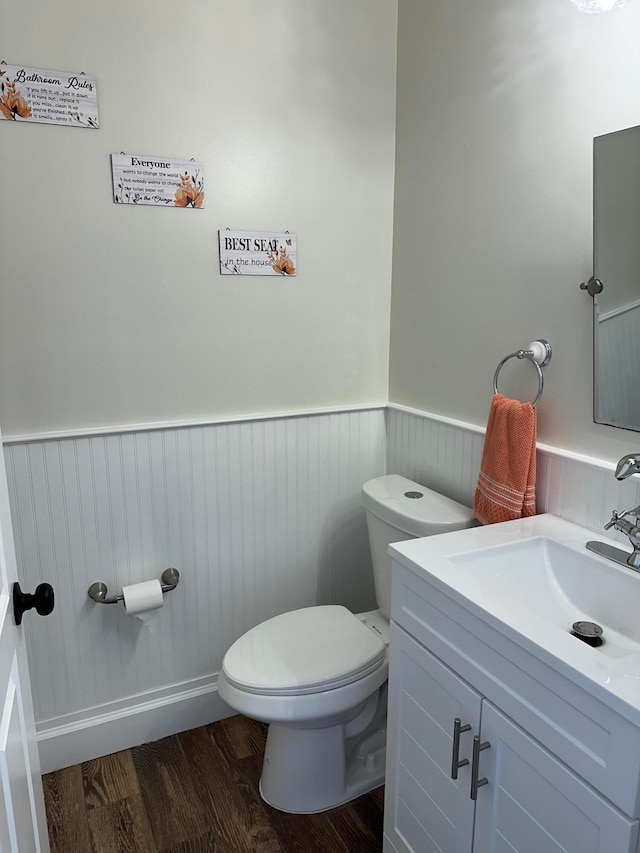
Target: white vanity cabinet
560, 767
426, 810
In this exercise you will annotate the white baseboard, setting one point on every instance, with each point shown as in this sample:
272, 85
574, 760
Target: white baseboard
104, 729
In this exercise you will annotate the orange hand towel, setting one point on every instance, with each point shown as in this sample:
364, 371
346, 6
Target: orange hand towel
507, 482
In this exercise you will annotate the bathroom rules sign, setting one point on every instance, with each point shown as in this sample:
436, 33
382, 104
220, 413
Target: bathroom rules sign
258, 253
49, 97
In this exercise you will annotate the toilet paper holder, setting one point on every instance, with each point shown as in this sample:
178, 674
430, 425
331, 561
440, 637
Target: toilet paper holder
98, 591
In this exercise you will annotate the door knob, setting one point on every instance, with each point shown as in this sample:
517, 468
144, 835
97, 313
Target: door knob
42, 599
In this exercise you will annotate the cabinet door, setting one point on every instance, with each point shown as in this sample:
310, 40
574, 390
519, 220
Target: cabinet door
427, 811
534, 804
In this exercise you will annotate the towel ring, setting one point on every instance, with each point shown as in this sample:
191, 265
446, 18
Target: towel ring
539, 354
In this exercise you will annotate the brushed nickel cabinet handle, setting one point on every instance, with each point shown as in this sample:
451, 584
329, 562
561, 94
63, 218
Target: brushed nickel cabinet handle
458, 728
475, 767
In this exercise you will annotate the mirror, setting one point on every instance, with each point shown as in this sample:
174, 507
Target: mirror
616, 261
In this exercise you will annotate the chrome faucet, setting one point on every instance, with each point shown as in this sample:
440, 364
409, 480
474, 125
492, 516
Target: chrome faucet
628, 465
619, 522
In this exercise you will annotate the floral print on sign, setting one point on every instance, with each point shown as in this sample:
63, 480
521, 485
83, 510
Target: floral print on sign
282, 263
190, 193
12, 104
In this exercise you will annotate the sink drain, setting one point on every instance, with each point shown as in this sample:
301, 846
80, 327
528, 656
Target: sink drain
589, 632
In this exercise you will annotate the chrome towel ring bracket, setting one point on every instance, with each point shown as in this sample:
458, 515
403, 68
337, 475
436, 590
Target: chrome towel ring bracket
538, 353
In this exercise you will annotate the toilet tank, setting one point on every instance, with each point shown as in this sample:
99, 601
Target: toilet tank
399, 509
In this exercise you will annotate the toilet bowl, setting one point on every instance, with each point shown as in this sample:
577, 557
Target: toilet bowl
318, 675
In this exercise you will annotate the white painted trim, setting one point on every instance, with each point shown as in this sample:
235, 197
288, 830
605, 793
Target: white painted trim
129, 722
439, 418
88, 432
608, 315
562, 453
558, 452
547, 449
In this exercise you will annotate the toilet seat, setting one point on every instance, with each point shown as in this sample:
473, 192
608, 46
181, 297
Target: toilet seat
305, 651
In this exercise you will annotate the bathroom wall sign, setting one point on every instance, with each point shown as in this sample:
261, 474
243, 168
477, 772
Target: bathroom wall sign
258, 253
157, 181
49, 97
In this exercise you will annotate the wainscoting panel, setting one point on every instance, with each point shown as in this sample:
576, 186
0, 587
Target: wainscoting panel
259, 517
616, 366
446, 456
435, 453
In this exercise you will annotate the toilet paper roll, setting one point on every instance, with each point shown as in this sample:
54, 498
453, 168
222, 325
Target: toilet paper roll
143, 600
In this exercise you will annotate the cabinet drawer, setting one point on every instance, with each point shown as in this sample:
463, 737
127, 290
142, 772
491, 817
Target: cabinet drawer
602, 746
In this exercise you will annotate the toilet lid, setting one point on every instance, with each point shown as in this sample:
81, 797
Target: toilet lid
303, 651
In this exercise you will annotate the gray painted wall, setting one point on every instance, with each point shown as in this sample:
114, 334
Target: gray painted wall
498, 104
117, 315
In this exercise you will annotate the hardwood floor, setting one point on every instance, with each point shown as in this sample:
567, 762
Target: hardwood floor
196, 792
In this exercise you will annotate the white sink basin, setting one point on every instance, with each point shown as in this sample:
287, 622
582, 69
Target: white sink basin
532, 579
561, 585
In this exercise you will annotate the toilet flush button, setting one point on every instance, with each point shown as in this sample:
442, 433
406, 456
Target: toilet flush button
413, 495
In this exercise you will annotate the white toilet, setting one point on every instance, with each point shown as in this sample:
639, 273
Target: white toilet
318, 675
